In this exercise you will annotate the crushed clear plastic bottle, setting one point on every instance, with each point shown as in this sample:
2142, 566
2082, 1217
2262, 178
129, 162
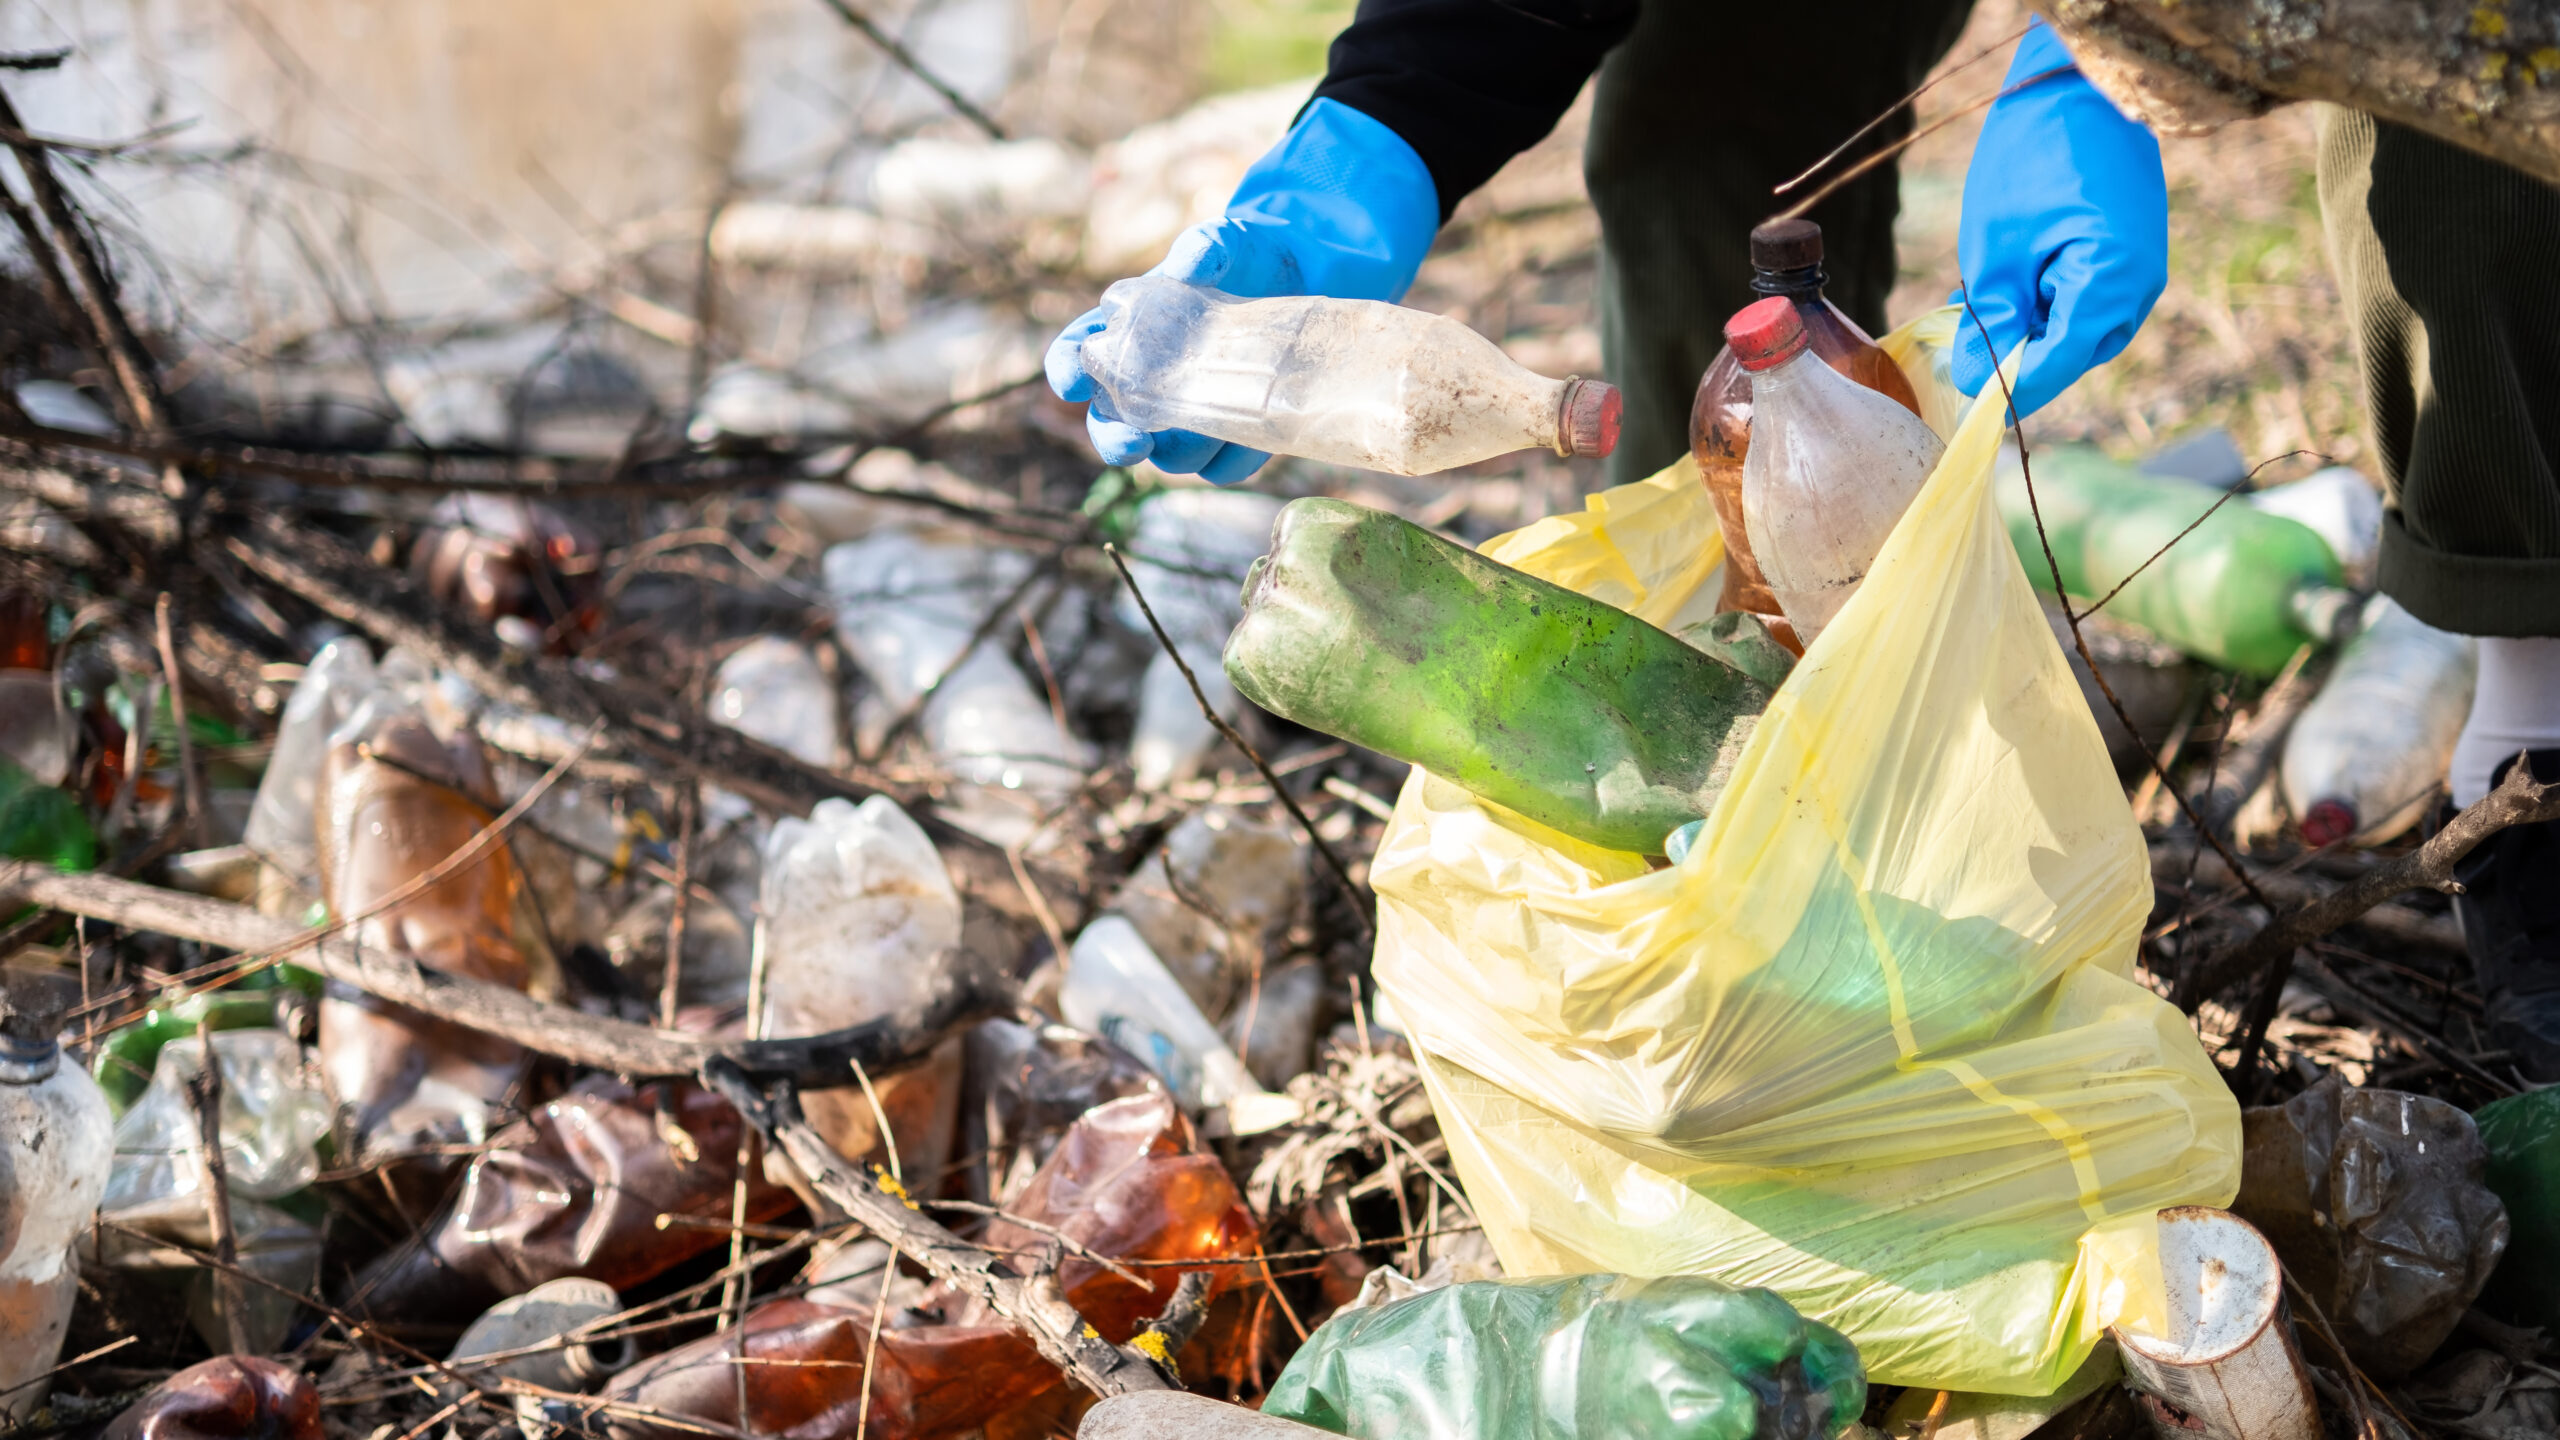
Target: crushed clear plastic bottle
1348, 382
1832, 466
2369, 750
56, 1148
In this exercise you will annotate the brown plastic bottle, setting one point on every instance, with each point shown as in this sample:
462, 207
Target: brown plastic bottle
1786, 259
577, 1188
1128, 1181
415, 1082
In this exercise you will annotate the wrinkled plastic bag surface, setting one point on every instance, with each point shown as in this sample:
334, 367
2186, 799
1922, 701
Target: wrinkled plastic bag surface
1875, 1043
1591, 1357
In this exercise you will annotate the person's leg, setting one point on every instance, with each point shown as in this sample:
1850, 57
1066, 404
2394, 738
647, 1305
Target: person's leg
2450, 267
1698, 117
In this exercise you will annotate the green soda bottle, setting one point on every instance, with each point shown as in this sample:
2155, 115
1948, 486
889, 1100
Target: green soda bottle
1572, 712
1586, 1357
2243, 592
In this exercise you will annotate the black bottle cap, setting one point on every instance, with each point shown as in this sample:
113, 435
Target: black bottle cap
1786, 245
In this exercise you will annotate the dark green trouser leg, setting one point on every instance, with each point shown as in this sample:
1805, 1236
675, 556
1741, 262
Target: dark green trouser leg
1698, 116
2450, 267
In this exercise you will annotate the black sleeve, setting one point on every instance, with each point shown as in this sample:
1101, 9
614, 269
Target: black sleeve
1471, 83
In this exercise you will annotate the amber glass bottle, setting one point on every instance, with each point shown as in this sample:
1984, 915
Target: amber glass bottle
1786, 259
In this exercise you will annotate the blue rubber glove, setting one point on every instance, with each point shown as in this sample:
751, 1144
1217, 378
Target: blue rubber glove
2065, 237
1341, 207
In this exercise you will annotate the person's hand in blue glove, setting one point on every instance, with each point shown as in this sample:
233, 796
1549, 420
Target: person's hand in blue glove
2064, 241
1341, 207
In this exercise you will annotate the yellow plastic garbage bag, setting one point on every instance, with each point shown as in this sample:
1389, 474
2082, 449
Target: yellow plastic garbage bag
1876, 1042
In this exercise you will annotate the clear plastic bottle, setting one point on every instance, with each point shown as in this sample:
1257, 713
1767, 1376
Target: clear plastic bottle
1786, 259
2369, 750
1831, 468
1208, 901
1349, 382
56, 1148
1119, 990
860, 914
1190, 551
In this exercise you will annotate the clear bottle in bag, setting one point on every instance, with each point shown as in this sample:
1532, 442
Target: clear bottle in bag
1348, 382
2366, 756
1831, 468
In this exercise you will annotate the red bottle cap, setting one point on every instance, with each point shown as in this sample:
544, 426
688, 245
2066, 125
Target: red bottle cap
1765, 333
1589, 425
2328, 822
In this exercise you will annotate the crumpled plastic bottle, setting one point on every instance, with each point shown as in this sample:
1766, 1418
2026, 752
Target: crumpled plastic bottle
1190, 551
1128, 1182
907, 601
274, 1112
127, 1060
229, 1397
576, 1189
772, 690
860, 917
1588, 1357
398, 800
281, 824
1030, 1083
55, 1153
2375, 1202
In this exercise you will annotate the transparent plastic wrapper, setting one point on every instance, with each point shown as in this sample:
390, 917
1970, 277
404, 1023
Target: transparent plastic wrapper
1588, 1357
1875, 1044
1348, 382
281, 818
2370, 750
1831, 466
1119, 990
229, 1397
1220, 887
2375, 1200
907, 601
55, 1154
771, 689
1210, 537
860, 918
2522, 1134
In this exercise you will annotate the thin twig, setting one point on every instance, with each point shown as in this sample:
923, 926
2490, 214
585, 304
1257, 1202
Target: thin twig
204, 1092
891, 46
1834, 185
914, 708
1333, 862
127, 361
1897, 107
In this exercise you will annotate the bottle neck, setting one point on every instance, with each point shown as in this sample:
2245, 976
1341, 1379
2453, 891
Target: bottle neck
27, 1062
1804, 284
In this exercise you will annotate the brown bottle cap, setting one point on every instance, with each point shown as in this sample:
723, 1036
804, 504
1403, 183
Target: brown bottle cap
1589, 425
1786, 245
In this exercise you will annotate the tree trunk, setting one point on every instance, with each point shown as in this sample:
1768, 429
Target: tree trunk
2483, 74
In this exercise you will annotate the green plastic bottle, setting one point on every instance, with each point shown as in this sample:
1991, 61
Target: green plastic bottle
2522, 1133
40, 822
123, 1064
2243, 592
1586, 1357
1572, 712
